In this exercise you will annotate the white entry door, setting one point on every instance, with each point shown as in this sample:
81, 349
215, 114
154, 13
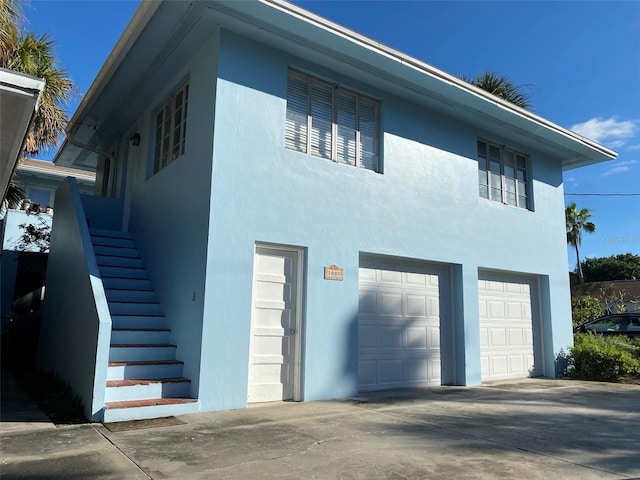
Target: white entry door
507, 318
273, 361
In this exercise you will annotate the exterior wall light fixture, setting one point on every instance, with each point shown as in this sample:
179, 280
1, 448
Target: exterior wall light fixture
135, 140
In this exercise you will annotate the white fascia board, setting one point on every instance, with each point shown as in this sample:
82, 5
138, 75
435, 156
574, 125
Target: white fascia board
20, 95
55, 173
11, 80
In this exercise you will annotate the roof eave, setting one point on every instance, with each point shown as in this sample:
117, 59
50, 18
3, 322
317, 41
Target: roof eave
577, 150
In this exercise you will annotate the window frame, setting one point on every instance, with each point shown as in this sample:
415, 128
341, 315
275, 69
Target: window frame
514, 175
170, 128
326, 120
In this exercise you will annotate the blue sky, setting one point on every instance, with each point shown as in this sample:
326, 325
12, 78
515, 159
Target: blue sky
581, 61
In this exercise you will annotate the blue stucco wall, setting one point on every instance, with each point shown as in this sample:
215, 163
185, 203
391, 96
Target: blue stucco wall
197, 222
424, 206
169, 210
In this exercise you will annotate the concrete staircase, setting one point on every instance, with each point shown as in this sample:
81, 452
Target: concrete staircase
144, 378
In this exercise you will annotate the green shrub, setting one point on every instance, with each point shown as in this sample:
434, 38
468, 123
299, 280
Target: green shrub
585, 308
595, 357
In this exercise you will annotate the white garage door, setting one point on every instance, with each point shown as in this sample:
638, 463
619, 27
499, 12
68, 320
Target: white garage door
399, 323
506, 326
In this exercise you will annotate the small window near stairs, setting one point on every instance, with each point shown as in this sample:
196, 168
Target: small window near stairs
170, 129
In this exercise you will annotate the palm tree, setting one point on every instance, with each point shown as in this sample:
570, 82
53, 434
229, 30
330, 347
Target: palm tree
577, 221
502, 87
27, 53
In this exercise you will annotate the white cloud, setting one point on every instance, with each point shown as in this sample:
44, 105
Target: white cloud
634, 147
619, 167
610, 131
570, 182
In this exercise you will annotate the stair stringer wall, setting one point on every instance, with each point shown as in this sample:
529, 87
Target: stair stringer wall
75, 333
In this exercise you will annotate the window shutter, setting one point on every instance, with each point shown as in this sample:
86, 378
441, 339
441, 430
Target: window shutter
327, 121
297, 112
346, 113
321, 118
368, 128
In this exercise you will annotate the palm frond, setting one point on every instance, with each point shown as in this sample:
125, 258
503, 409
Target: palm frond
15, 195
502, 87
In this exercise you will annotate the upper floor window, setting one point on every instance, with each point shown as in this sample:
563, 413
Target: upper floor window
328, 121
170, 127
503, 175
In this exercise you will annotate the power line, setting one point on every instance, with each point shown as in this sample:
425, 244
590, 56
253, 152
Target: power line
604, 194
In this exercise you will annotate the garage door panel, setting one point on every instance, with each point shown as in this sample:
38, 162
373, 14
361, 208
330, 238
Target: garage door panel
389, 371
506, 326
367, 337
368, 302
496, 310
498, 365
367, 373
516, 337
390, 337
417, 279
416, 305
390, 274
417, 338
516, 310
417, 370
391, 303
406, 319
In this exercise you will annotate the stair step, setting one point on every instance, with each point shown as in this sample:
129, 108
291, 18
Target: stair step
113, 242
127, 370
141, 351
131, 296
128, 308
115, 251
150, 408
130, 262
115, 283
150, 402
140, 335
145, 381
122, 272
138, 321
109, 233
143, 389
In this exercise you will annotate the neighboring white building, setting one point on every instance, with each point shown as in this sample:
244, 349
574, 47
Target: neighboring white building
38, 180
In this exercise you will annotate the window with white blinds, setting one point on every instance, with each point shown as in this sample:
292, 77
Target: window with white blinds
170, 129
502, 175
328, 121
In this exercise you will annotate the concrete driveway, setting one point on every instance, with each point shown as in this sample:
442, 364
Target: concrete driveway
527, 429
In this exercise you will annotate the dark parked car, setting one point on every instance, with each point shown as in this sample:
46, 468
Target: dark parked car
616, 324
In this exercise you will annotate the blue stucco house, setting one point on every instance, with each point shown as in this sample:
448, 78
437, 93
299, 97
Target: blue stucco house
290, 211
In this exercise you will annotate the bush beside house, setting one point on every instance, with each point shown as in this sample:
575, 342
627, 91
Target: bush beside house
605, 359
